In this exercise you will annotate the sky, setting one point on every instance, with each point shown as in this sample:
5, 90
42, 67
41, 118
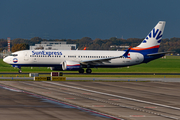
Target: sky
75, 19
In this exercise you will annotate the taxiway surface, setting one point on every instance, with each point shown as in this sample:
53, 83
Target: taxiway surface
123, 100
102, 78
17, 105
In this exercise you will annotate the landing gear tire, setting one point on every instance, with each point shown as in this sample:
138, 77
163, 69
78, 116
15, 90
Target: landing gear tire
88, 71
81, 71
20, 71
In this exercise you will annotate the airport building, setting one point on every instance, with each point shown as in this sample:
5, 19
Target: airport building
53, 45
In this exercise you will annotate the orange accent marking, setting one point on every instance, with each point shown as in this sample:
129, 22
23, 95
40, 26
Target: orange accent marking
84, 48
139, 48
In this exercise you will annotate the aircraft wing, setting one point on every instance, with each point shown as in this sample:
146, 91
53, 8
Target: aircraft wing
101, 60
160, 53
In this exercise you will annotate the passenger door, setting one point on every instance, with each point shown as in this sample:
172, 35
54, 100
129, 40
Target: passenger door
26, 57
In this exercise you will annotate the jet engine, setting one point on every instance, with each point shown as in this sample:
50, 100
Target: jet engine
71, 65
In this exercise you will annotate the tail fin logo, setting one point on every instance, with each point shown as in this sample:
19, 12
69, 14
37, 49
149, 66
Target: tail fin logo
154, 34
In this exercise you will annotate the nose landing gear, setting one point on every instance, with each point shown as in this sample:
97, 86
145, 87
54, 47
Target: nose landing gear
20, 71
81, 71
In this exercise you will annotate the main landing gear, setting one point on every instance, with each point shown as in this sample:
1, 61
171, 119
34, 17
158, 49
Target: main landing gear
88, 71
81, 71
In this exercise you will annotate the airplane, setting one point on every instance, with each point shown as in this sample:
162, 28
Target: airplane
77, 60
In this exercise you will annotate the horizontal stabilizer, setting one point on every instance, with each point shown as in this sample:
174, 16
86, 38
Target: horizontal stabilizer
160, 53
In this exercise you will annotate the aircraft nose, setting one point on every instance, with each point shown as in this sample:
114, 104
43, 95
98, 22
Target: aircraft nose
6, 60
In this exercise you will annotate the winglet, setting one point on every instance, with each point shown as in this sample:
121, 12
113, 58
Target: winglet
126, 53
84, 48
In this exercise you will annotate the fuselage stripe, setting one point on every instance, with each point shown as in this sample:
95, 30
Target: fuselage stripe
138, 48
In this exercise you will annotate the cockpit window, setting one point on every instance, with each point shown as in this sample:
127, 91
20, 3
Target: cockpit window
14, 55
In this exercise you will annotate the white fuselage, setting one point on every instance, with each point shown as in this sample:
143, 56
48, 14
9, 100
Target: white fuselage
50, 58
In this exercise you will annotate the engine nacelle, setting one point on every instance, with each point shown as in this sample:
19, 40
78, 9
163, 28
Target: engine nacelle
71, 65
59, 68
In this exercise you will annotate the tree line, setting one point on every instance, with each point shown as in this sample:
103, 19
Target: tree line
172, 44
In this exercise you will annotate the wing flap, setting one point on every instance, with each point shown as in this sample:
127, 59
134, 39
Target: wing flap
98, 61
